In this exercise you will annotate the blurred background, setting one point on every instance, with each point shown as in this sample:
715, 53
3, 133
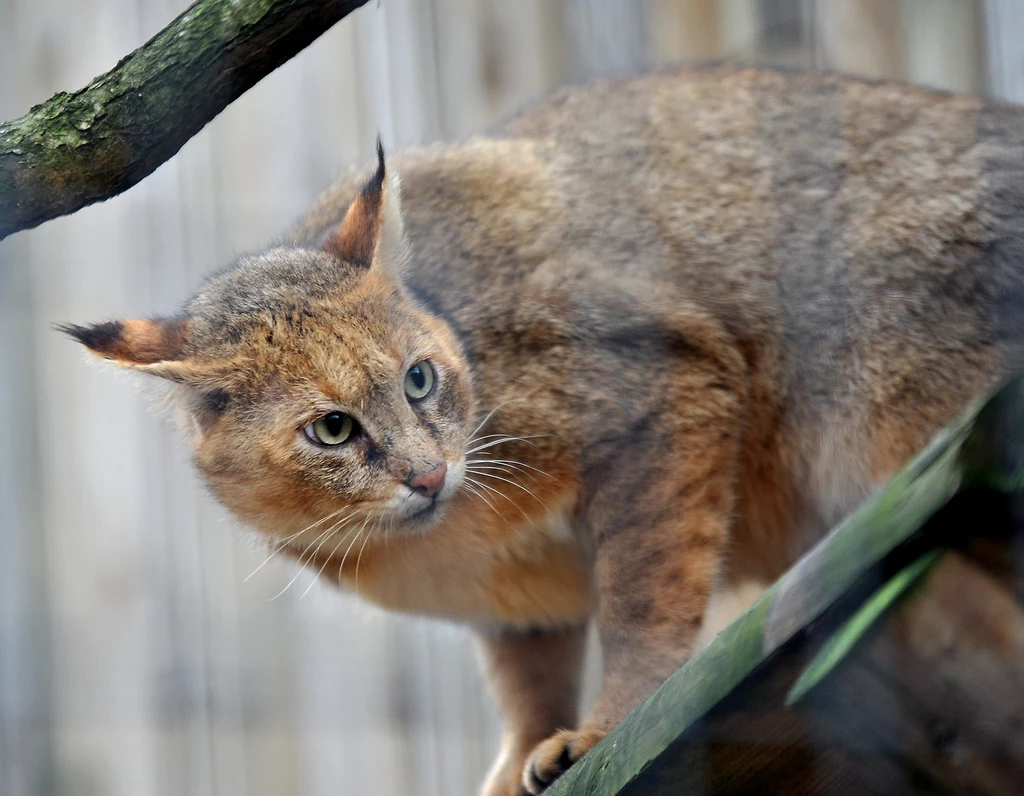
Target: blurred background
135, 657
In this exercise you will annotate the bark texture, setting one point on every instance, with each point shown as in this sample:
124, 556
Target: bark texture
80, 148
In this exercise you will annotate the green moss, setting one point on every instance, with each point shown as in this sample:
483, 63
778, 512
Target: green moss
77, 148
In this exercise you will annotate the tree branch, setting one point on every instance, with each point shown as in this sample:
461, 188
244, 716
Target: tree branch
76, 149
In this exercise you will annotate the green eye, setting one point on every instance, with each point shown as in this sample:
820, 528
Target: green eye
331, 429
419, 381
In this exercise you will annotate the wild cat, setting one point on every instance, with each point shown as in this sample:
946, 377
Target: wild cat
650, 337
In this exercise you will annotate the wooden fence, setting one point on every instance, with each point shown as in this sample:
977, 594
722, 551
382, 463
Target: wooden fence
135, 657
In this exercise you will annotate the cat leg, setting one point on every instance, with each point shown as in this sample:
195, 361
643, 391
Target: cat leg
534, 677
660, 538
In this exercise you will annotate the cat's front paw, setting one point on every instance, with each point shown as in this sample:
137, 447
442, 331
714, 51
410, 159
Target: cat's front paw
553, 757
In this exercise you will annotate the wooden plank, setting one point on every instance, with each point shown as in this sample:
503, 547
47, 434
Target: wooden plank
26, 735
26, 742
943, 44
864, 37
739, 28
931, 702
1004, 30
685, 30
92, 506
859, 551
607, 36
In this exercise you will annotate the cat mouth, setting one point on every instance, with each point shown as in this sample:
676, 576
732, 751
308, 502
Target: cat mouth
426, 516
426, 512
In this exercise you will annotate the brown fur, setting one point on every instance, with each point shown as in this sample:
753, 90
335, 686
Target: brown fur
707, 311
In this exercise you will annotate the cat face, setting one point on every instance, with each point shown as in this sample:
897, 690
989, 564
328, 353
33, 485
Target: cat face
316, 391
357, 402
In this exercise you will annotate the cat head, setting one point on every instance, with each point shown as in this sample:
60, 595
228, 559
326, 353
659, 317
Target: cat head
314, 386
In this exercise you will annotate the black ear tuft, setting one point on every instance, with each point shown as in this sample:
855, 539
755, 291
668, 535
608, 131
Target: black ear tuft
133, 342
373, 188
355, 239
377, 180
100, 337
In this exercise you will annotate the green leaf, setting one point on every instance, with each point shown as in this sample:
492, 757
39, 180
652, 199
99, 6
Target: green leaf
842, 641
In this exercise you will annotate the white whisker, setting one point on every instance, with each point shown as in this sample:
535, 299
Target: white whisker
509, 470
327, 559
482, 485
483, 437
510, 463
503, 441
488, 417
341, 566
468, 484
362, 547
509, 481
302, 555
282, 543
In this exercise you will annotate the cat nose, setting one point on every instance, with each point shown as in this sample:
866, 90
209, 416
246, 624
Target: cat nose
429, 483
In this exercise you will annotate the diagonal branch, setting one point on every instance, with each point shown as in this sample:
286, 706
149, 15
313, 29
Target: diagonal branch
80, 148
871, 723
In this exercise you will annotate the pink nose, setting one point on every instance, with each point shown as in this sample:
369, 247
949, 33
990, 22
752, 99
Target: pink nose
429, 483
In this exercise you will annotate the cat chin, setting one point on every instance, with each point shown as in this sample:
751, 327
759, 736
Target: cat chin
425, 519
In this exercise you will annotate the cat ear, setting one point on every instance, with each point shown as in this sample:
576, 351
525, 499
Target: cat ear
371, 232
133, 343
155, 346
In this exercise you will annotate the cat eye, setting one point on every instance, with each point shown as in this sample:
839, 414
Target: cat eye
419, 381
331, 429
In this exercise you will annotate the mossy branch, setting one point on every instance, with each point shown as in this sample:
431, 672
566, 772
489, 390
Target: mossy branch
80, 148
